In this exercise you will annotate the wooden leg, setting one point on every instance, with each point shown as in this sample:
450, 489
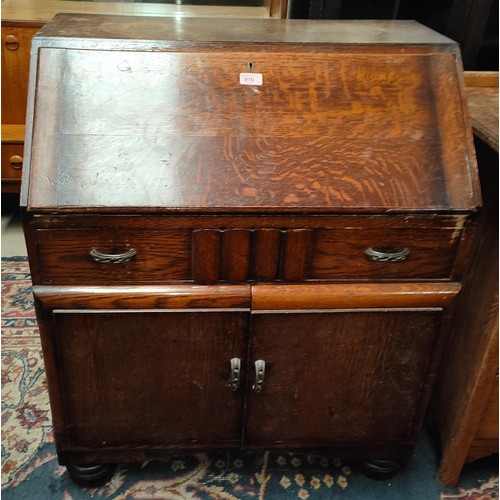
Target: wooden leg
380, 468
87, 476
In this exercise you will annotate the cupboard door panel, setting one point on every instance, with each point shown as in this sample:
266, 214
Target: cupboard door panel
338, 376
150, 378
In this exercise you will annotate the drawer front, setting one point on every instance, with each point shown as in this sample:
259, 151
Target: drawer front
384, 253
238, 255
160, 255
12, 161
295, 255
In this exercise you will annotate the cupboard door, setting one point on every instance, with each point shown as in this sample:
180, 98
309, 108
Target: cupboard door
150, 378
333, 377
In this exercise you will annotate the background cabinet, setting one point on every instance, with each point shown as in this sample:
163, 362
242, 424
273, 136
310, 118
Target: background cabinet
16, 47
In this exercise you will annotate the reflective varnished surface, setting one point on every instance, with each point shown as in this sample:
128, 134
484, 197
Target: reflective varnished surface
332, 127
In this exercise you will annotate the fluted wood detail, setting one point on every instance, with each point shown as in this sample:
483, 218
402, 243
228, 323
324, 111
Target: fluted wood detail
235, 255
297, 247
266, 245
206, 255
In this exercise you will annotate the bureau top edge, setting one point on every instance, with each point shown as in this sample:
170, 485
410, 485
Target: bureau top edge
126, 211
261, 31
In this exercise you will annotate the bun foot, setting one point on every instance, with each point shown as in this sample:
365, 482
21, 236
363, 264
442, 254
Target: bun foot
380, 468
88, 476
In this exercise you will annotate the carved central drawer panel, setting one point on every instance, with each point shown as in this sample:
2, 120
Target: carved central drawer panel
245, 254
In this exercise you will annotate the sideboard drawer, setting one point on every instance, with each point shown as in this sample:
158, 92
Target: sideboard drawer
375, 253
160, 255
158, 252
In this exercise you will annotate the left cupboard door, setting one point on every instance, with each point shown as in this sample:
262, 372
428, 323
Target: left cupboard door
150, 378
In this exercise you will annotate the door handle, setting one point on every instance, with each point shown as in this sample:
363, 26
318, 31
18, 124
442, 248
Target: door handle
235, 376
260, 370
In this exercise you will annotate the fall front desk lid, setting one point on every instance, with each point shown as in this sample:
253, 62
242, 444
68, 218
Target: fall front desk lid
312, 123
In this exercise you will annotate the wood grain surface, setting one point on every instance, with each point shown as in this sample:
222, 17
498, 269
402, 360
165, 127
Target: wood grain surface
15, 68
341, 253
206, 255
348, 296
483, 105
250, 209
266, 244
142, 297
188, 365
470, 366
348, 375
64, 255
236, 30
11, 166
385, 135
171, 249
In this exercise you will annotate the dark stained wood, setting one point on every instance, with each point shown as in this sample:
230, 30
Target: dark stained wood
341, 253
206, 255
47, 338
337, 368
470, 367
143, 297
347, 449
249, 209
69, 26
159, 401
454, 129
235, 255
266, 245
349, 296
487, 429
455, 222
87, 476
296, 256
465, 403
64, 255
164, 254
385, 144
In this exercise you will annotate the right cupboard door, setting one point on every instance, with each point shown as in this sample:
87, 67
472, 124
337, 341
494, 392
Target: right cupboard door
338, 376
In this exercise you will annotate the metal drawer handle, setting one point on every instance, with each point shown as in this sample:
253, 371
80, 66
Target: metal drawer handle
103, 258
260, 369
376, 256
234, 378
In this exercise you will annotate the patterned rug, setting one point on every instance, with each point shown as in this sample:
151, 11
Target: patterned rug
30, 470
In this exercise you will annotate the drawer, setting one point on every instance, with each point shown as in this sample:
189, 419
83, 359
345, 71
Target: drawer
160, 255
295, 255
12, 161
393, 253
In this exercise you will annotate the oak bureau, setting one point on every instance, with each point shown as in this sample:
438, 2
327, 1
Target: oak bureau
244, 233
